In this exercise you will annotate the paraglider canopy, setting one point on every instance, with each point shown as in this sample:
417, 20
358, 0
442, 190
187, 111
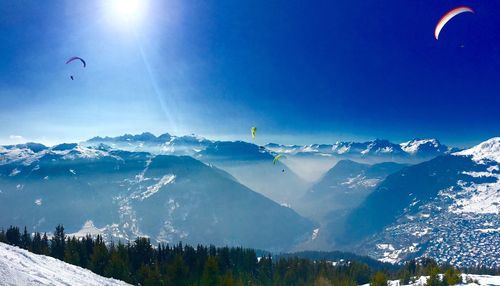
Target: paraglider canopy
276, 158
448, 16
253, 130
76, 58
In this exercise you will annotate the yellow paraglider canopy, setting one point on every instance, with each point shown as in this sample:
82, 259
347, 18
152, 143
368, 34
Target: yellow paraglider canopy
253, 130
276, 158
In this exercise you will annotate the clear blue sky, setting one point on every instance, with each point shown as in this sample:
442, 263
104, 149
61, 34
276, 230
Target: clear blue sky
301, 71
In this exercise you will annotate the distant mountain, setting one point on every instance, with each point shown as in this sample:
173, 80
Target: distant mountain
250, 164
127, 194
378, 150
253, 166
447, 208
339, 191
21, 267
345, 186
148, 142
371, 151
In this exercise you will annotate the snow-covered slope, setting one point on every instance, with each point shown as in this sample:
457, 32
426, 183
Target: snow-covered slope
466, 278
488, 150
21, 267
447, 208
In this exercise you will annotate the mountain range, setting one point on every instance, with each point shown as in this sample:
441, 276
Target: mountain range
390, 201
127, 194
378, 150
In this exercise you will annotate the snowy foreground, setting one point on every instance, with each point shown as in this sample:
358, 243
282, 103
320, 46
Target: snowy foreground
21, 267
480, 279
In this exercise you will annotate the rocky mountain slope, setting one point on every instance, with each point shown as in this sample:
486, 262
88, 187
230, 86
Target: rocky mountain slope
126, 194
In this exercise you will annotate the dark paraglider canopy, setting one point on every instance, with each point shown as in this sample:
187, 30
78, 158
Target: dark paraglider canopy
76, 58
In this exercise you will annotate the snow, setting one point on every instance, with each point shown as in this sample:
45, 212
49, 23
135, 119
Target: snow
151, 190
481, 279
38, 202
315, 234
487, 230
413, 146
393, 255
20, 267
14, 172
487, 150
88, 228
481, 198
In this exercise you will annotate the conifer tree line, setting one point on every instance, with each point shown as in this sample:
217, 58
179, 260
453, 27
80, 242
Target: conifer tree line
140, 263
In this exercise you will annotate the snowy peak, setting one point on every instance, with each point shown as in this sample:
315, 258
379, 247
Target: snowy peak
32, 152
486, 151
416, 146
145, 136
148, 142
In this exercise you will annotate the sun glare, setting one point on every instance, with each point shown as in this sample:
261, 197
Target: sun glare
127, 11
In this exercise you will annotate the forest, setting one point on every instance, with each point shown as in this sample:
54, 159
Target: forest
141, 263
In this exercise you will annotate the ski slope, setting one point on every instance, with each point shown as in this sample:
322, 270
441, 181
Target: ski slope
21, 267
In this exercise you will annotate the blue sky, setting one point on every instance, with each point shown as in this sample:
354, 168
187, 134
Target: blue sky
301, 71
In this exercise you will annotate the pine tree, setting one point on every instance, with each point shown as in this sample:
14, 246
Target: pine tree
13, 236
99, 258
58, 243
452, 276
44, 247
2, 236
210, 272
117, 266
228, 280
433, 276
71, 253
26, 240
36, 243
379, 279
177, 272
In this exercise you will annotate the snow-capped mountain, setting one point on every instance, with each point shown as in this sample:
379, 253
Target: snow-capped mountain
250, 164
126, 194
148, 142
424, 147
21, 267
377, 150
447, 208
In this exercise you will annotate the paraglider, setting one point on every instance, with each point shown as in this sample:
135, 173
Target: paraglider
74, 59
448, 16
276, 158
253, 130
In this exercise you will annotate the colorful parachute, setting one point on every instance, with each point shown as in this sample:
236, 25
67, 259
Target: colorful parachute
448, 16
254, 132
276, 158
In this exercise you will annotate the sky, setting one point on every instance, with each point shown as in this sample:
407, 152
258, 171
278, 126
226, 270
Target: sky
301, 71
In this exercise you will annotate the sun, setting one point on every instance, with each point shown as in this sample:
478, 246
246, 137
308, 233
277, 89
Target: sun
127, 11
